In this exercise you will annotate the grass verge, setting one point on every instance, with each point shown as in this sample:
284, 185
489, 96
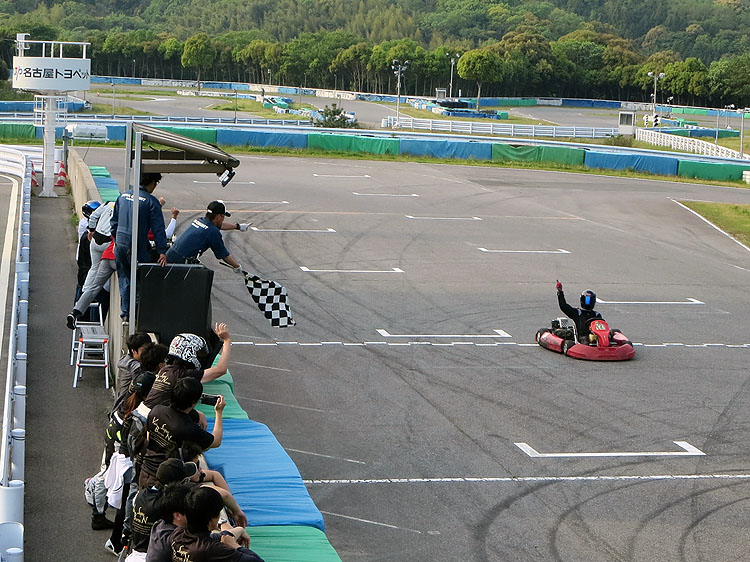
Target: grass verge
733, 219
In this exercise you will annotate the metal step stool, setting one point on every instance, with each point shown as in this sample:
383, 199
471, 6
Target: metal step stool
93, 351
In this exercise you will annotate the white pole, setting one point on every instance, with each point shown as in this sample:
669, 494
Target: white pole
11, 501
742, 132
134, 239
398, 94
453, 61
49, 148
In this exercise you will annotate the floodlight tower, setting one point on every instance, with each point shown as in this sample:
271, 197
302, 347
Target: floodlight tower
51, 75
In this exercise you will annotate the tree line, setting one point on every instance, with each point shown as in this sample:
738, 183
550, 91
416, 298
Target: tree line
588, 62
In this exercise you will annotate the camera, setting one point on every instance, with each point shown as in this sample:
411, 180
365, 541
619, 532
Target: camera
209, 399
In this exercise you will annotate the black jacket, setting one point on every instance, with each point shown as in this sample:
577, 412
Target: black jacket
579, 316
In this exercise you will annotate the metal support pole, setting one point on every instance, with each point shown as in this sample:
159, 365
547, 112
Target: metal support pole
17, 454
128, 155
742, 132
718, 114
49, 148
134, 238
398, 95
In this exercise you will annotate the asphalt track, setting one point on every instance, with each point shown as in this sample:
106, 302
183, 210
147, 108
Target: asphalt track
412, 372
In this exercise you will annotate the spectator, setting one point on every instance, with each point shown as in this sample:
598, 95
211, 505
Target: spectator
169, 426
129, 364
204, 233
83, 254
186, 353
152, 357
149, 218
190, 452
149, 504
195, 542
173, 513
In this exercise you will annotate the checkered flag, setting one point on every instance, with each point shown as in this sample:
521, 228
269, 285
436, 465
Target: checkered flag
271, 299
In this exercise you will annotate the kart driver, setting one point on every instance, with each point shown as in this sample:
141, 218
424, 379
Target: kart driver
581, 316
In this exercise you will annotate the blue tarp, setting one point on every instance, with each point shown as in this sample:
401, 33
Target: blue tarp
447, 149
642, 163
234, 137
117, 132
263, 479
102, 182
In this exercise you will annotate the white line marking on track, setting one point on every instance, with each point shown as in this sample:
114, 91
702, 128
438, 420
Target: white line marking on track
259, 202
284, 405
688, 301
392, 270
371, 522
712, 225
742, 268
255, 229
385, 194
324, 456
477, 344
497, 334
262, 366
412, 217
688, 451
516, 479
558, 251
338, 176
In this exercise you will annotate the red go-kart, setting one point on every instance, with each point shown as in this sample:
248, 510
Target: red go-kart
603, 343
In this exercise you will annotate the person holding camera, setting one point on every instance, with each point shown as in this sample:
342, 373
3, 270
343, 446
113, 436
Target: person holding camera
169, 426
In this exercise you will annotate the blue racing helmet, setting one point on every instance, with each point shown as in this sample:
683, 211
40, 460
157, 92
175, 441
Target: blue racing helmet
588, 300
89, 207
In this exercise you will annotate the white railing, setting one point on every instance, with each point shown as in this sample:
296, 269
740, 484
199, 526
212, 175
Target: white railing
12, 452
687, 144
18, 117
506, 129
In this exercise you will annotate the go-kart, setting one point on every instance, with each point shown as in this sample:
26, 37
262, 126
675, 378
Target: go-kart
602, 343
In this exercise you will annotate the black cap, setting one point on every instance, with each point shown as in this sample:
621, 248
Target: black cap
174, 470
218, 208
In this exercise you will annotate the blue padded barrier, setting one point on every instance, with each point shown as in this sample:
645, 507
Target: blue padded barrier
117, 132
447, 149
101, 181
233, 137
641, 163
264, 480
58, 132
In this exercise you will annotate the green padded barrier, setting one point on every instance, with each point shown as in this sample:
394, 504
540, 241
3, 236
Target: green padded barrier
710, 171
562, 155
99, 171
291, 543
17, 131
502, 114
520, 102
516, 153
267, 105
226, 377
339, 143
232, 410
108, 194
195, 133
375, 145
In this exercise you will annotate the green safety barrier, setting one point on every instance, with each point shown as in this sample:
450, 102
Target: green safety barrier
108, 194
515, 153
351, 143
520, 102
17, 131
232, 410
99, 171
501, 114
195, 133
710, 171
562, 155
291, 543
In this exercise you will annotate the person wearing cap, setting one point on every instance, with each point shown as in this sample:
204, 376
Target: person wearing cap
204, 233
149, 504
149, 218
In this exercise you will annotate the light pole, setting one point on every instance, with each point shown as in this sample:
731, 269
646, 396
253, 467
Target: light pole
269, 76
718, 114
398, 69
454, 58
656, 77
113, 99
235, 106
742, 131
133, 68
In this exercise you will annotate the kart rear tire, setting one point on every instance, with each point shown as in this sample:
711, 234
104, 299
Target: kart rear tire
567, 344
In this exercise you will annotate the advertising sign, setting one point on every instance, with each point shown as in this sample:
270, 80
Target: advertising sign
51, 74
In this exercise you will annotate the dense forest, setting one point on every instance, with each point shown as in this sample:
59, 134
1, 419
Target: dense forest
584, 48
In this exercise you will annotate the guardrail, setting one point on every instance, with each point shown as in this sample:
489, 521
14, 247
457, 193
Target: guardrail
18, 117
688, 144
511, 129
12, 453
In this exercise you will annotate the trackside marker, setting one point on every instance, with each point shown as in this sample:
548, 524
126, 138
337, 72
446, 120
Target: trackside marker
255, 229
497, 334
688, 451
337, 176
385, 194
412, 217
